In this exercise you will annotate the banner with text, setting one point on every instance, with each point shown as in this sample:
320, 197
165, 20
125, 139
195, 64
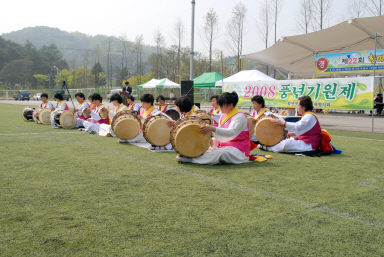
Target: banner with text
352, 62
338, 93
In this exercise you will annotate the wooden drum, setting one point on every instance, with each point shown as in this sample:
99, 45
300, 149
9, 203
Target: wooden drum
186, 138
65, 119
126, 125
27, 114
267, 133
156, 130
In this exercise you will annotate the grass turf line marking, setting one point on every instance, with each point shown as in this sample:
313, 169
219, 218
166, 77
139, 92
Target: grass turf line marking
363, 138
37, 133
224, 183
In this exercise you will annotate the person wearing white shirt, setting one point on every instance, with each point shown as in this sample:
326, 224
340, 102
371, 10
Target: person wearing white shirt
80, 97
92, 125
117, 101
45, 103
231, 138
304, 135
60, 106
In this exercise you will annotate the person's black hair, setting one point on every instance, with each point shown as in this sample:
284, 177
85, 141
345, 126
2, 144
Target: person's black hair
161, 97
184, 103
306, 102
97, 96
116, 97
59, 96
130, 97
228, 98
126, 82
379, 94
215, 97
147, 98
259, 99
90, 97
81, 95
44, 95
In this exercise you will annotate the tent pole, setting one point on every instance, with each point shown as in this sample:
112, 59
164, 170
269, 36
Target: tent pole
192, 41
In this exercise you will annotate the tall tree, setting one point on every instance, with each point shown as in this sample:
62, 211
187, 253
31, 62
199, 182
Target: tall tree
235, 29
375, 7
97, 70
276, 11
139, 56
357, 8
159, 41
320, 11
305, 18
179, 29
210, 30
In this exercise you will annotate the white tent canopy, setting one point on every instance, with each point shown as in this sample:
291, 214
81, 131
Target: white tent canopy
166, 83
245, 76
296, 54
152, 83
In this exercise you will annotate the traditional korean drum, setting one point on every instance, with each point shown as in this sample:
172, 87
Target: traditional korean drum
35, 115
65, 119
27, 114
156, 130
175, 115
205, 116
86, 113
267, 133
44, 116
251, 123
104, 113
126, 125
186, 138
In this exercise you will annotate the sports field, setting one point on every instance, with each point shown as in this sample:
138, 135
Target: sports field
65, 193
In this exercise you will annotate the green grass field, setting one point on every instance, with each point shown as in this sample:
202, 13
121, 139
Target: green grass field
65, 193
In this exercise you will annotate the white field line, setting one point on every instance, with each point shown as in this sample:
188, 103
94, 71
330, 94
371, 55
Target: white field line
255, 191
37, 133
362, 138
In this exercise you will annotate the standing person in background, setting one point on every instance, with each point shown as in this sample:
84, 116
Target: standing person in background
163, 107
171, 95
127, 91
379, 104
45, 103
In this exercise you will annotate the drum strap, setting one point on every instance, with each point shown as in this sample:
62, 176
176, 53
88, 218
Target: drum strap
162, 108
98, 108
43, 106
229, 116
216, 111
119, 108
148, 111
261, 113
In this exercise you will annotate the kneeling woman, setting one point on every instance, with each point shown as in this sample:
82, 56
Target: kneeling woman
92, 125
117, 101
231, 138
304, 135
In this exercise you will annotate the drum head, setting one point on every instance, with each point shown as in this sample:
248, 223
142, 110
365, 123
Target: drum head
157, 131
27, 114
45, 116
187, 140
117, 115
175, 115
67, 120
268, 133
127, 129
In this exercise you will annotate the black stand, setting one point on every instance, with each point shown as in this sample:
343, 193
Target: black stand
65, 87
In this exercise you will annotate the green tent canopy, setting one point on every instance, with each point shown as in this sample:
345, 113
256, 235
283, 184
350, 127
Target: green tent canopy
207, 79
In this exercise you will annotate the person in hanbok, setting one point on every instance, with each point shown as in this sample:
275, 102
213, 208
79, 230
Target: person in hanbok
45, 103
163, 107
304, 135
230, 143
117, 101
215, 110
92, 124
134, 107
184, 106
80, 97
61, 105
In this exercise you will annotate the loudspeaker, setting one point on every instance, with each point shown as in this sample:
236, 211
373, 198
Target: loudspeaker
187, 89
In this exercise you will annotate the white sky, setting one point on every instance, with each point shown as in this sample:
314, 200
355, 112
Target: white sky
132, 17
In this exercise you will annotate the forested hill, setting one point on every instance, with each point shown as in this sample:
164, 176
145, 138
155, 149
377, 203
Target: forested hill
76, 45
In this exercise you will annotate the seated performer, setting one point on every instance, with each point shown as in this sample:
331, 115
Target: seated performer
80, 97
184, 106
215, 110
91, 103
147, 109
259, 109
45, 103
131, 104
195, 108
163, 106
117, 101
304, 135
231, 139
92, 125
60, 106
